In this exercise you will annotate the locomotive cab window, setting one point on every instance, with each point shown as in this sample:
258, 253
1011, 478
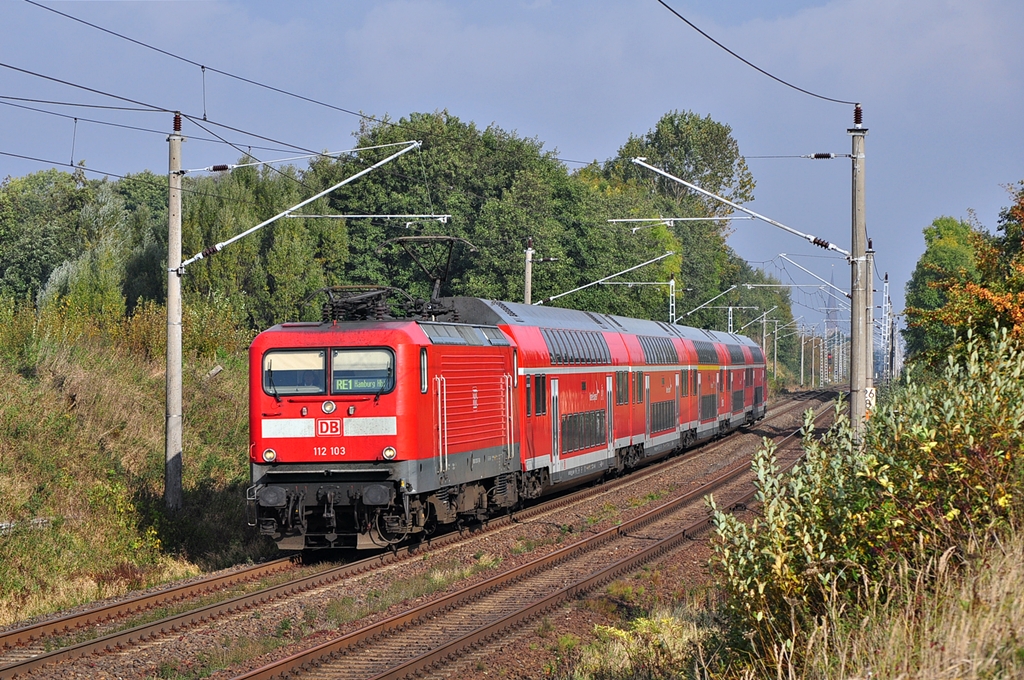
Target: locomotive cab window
294, 372
362, 371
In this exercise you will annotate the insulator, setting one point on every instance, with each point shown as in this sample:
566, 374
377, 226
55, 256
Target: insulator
177, 122
820, 242
822, 156
211, 251
858, 115
220, 168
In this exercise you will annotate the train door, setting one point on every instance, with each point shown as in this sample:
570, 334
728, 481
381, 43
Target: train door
609, 412
679, 413
556, 439
647, 404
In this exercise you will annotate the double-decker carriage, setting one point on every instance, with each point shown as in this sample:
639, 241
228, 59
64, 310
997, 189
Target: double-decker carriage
366, 432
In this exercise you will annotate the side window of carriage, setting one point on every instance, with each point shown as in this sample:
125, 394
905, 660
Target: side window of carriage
540, 392
529, 395
621, 387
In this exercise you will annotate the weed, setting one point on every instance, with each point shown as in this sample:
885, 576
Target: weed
284, 627
545, 627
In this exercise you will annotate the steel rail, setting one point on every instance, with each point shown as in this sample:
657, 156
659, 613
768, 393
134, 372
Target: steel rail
336, 648
439, 656
72, 622
175, 623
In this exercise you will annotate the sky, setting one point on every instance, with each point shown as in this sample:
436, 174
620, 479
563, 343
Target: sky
941, 83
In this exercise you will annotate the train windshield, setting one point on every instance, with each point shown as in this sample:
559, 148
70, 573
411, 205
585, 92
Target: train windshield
294, 372
362, 371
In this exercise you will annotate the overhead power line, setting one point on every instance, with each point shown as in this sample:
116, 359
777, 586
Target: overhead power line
77, 105
420, 132
149, 107
748, 63
153, 107
203, 66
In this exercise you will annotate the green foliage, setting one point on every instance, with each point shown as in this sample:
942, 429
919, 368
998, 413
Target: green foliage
949, 253
941, 466
699, 150
99, 248
39, 228
967, 279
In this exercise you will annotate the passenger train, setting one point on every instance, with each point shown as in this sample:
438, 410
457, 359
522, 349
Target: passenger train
365, 433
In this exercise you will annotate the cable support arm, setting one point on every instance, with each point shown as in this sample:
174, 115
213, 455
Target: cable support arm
326, 154
220, 246
759, 317
807, 237
728, 290
831, 285
443, 219
594, 283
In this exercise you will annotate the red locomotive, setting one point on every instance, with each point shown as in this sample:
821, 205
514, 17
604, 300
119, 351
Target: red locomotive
364, 433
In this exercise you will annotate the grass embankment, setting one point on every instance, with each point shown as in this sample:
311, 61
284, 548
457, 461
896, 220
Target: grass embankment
898, 557
82, 458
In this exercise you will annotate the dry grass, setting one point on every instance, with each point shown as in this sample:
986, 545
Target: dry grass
938, 622
81, 468
941, 623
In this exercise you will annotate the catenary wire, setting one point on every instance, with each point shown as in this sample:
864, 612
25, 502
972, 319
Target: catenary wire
128, 178
748, 63
152, 107
318, 102
127, 127
77, 105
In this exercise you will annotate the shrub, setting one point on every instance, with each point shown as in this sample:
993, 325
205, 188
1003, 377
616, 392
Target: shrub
940, 467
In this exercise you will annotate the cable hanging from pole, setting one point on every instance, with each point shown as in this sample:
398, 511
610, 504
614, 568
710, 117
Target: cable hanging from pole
220, 246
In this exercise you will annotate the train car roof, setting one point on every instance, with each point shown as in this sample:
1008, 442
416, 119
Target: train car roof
496, 312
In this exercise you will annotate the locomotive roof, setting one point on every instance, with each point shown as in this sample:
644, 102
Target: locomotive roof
495, 312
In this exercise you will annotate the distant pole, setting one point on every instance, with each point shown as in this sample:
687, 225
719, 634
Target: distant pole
858, 282
672, 299
775, 350
172, 465
812, 360
869, 339
802, 359
528, 283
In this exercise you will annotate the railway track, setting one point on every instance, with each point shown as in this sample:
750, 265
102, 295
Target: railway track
412, 643
25, 641
25, 649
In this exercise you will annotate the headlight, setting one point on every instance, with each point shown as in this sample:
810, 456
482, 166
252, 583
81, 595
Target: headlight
390, 453
269, 456
328, 406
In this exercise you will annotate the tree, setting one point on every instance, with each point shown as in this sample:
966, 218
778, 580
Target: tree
967, 279
699, 150
39, 228
949, 254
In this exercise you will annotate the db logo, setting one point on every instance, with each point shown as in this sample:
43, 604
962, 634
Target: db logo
328, 428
